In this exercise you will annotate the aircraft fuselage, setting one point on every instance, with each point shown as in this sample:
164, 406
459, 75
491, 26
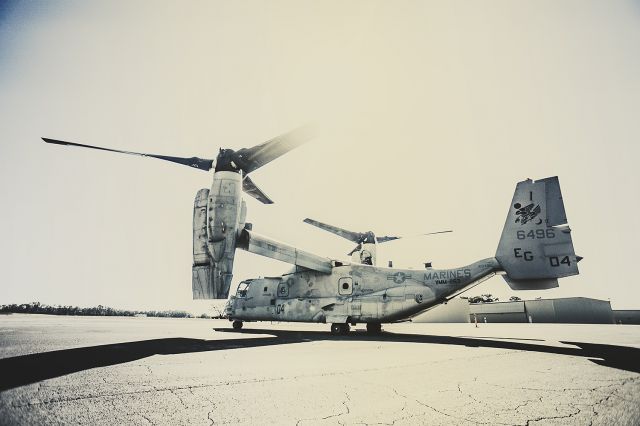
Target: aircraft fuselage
353, 293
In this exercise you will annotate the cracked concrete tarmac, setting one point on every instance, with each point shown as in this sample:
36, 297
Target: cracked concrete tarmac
74, 370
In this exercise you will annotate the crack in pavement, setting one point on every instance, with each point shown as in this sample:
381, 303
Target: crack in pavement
146, 418
539, 419
429, 407
211, 411
459, 418
477, 422
468, 395
395, 391
450, 415
525, 403
605, 386
404, 405
177, 395
618, 382
240, 382
602, 401
344, 403
403, 408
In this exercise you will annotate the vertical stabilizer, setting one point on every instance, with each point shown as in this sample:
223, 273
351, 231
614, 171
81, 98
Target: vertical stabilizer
536, 247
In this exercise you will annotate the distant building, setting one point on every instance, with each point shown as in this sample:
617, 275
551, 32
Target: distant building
498, 312
456, 310
578, 310
626, 316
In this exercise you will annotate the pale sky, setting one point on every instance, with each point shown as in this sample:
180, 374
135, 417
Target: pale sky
429, 111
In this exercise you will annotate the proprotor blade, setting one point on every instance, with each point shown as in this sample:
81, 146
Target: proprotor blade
385, 239
252, 189
195, 162
355, 237
437, 232
250, 159
355, 249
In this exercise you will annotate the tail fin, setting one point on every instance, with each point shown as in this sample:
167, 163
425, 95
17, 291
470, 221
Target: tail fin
535, 248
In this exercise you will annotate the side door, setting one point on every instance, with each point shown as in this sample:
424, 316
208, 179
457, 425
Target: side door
370, 307
355, 308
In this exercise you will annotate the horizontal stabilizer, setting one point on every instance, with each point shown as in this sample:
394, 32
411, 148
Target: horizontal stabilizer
541, 284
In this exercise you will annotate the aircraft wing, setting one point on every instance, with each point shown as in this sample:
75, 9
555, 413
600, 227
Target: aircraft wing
264, 246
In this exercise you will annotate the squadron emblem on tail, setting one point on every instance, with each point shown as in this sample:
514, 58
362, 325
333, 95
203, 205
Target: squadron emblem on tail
526, 213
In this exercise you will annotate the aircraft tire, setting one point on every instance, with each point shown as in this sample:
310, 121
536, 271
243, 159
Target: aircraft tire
237, 325
374, 327
336, 329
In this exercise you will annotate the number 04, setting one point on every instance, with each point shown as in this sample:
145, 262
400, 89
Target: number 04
555, 261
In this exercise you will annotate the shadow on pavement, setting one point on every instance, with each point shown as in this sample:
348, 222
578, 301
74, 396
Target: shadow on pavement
32, 368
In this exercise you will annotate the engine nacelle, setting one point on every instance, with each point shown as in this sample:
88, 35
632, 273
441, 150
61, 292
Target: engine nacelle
218, 215
366, 255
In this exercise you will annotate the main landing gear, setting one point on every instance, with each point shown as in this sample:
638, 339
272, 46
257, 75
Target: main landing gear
237, 325
338, 329
374, 327
342, 329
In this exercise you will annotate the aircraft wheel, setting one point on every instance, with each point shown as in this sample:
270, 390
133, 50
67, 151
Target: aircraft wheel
374, 327
237, 325
336, 329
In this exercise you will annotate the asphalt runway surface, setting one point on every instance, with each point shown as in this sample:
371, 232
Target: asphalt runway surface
100, 370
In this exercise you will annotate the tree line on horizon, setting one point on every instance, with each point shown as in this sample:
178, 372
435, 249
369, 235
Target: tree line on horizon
105, 311
40, 308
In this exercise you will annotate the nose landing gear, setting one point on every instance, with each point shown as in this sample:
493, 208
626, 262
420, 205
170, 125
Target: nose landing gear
237, 325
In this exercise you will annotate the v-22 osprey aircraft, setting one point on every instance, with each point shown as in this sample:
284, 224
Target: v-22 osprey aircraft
535, 249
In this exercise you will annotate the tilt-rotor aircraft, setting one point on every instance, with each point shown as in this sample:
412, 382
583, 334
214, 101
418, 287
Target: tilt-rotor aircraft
535, 249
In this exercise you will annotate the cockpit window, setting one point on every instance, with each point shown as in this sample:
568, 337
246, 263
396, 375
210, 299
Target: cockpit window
242, 289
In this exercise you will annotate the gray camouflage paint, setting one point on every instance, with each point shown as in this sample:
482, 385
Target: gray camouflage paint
535, 250
216, 226
373, 294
